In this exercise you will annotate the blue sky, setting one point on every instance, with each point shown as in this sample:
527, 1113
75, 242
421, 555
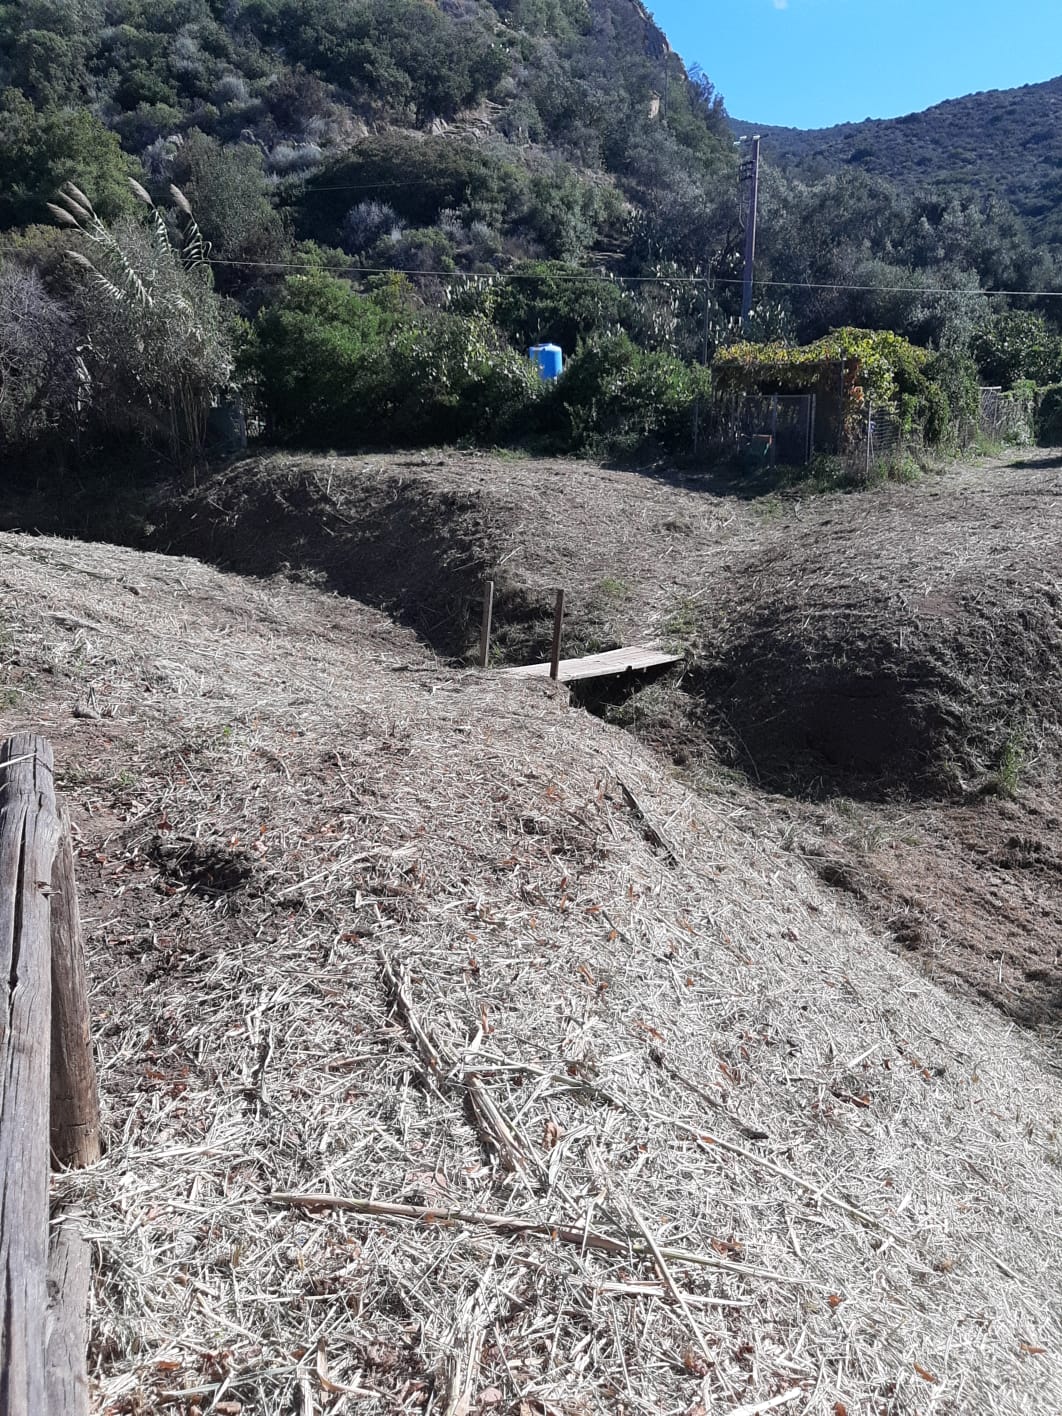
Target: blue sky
810, 63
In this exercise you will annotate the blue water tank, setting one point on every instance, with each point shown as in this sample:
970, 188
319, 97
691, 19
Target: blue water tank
548, 359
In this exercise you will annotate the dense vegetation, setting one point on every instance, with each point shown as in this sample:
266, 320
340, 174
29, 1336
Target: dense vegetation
393, 198
1004, 143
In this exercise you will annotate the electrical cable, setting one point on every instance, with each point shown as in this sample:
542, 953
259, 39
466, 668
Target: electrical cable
593, 279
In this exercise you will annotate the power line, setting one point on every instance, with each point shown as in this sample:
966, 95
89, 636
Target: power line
590, 278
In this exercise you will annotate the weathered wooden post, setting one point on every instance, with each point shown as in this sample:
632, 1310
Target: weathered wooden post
66, 1333
870, 438
29, 834
558, 624
484, 630
75, 1114
47, 1087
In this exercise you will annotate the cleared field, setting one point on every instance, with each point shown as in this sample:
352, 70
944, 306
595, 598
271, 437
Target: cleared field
884, 667
660, 1125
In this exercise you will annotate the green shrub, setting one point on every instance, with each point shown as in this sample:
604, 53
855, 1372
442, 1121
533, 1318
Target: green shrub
1016, 345
443, 378
305, 355
615, 398
1049, 416
333, 367
42, 149
553, 301
953, 375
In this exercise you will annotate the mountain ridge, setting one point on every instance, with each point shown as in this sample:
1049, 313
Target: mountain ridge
1005, 142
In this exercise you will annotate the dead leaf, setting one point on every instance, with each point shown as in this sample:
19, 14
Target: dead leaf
1030, 1351
322, 1375
551, 1134
925, 1374
695, 1362
839, 1409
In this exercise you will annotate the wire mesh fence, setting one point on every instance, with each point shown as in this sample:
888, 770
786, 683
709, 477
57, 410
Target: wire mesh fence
769, 429
1006, 417
876, 442
780, 430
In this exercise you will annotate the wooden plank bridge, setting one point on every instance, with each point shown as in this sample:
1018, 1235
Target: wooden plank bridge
590, 666
616, 661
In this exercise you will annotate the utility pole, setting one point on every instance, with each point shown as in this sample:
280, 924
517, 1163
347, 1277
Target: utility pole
750, 173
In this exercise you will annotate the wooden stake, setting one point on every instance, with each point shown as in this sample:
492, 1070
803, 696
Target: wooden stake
29, 834
558, 621
484, 633
75, 1114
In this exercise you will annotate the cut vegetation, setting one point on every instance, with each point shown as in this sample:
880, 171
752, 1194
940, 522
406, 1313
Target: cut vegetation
454, 1058
678, 1037
898, 648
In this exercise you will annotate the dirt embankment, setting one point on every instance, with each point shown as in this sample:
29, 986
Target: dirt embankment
904, 641
890, 659
387, 933
418, 534
907, 642
891, 662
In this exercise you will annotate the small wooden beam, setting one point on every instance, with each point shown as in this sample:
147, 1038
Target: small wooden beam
29, 834
558, 623
66, 1334
75, 1112
614, 661
484, 633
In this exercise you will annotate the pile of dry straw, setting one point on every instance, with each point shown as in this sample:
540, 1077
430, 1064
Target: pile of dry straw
455, 1060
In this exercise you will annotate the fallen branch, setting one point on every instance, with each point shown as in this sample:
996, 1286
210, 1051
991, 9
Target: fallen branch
493, 1125
510, 1224
669, 1282
651, 833
706, 1142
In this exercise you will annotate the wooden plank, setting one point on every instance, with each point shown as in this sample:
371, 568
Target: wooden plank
66, 1335
29, 834
615, 661
484, 629
75, 1113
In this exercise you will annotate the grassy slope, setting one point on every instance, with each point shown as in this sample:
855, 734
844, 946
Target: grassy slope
283, 797
907, 633
897, 650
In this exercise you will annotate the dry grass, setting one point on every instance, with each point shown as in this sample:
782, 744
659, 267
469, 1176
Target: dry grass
368, 929
889, 642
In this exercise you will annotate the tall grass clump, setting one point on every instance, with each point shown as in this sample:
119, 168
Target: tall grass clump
157, 344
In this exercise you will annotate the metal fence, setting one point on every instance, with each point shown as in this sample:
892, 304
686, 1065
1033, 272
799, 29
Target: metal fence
1007, 417
876, 442
780, 430
772, 429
